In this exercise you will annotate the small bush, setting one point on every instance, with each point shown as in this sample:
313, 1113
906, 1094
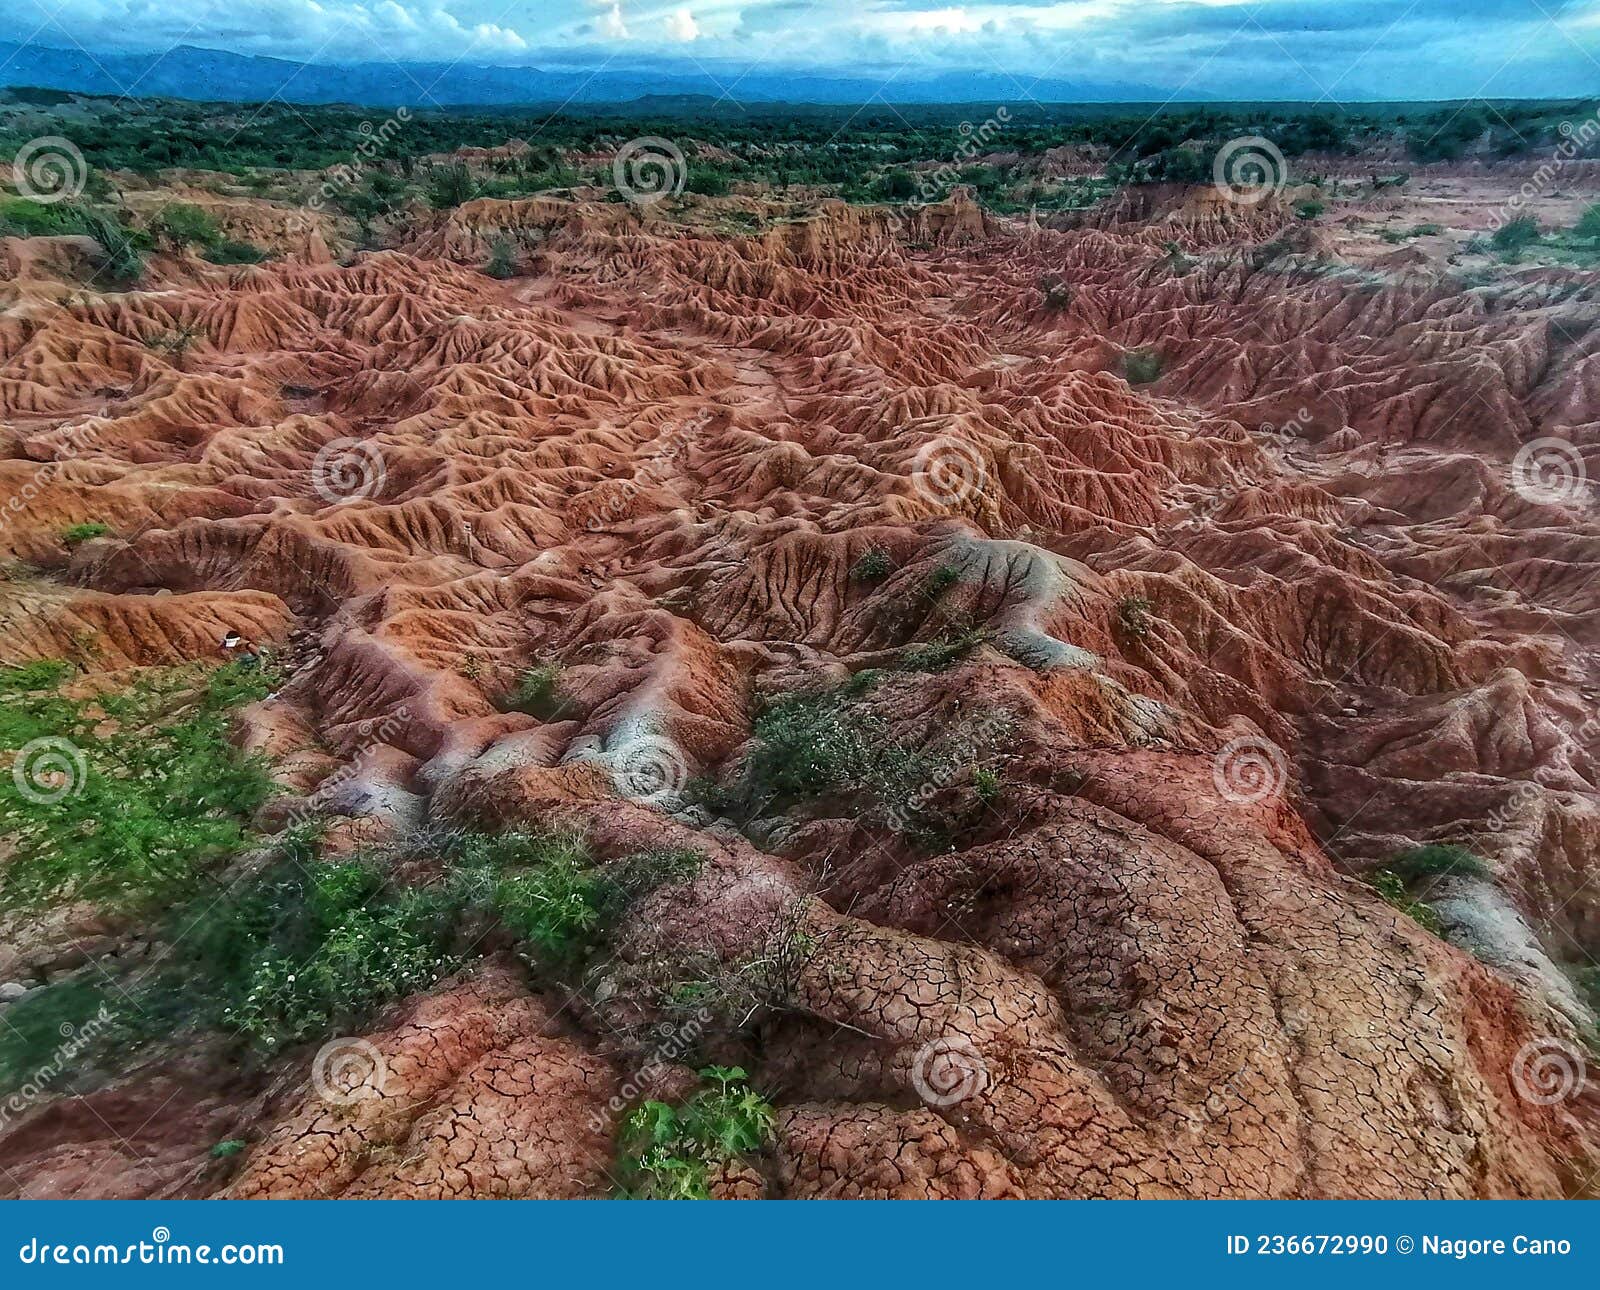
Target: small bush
874, 566
227, 1148
940, 581
1133, 616
708, 181
668, 1153
1515, 235
450, 186
538, 692
502, 261
1309, 210
1588, 225
986, 783
935, 656
1392, 888
231, 252
1141, 366
185, 225
74, 534
40, 674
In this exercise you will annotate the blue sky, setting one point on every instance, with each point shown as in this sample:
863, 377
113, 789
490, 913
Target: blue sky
1343, 50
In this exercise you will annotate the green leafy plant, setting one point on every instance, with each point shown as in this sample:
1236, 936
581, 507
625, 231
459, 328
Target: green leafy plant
40, 674
449, 186
1438, 861
1516, 235
669, 1153
937, 655
1392, 887
74, 534
874, 565
227, 1148
538, 692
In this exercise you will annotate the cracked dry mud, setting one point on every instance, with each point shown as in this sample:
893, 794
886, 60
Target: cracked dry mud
656, 459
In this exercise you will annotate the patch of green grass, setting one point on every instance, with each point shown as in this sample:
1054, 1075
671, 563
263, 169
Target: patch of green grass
1588, 225
127, 797
1141, 366
73, 534
1392, 887
227, 1148
668, 1153
874, 565
36, 1031
121, 260
1438, 861
40, 674
987, 784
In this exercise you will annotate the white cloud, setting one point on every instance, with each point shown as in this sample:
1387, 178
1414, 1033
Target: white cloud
682, 26
612, 26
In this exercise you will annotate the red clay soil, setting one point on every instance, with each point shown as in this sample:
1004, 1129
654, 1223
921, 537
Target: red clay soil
1251, 628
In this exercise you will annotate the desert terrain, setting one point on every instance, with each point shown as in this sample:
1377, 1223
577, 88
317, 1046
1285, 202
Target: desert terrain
763, 695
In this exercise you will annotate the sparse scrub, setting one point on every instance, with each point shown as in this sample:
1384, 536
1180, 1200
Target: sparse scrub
1438, 861
1515, 236
450, 186
1309, 210
183, 224
1133, 616
874, 565
936, 655
502, 261
1141, 366
538, 692
231, 252
940, 581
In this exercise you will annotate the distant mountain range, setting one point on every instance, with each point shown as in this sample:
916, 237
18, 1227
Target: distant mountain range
189, 72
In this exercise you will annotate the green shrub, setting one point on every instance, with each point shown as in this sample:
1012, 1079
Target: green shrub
1141, 366
1515, 235
502, 261
538, 692
986, 783
185, 225
1438, 861
935, 656
231, 252
227, 1148
1588, 225
74, 534
1133, 616
668, 1153
708, 181
144, 792
1309, 210
940, 581
874, 565
450, 186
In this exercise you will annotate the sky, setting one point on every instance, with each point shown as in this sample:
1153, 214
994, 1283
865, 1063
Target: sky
1334, 50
